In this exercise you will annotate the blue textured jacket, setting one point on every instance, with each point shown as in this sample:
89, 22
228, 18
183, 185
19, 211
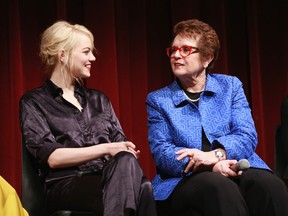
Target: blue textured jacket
175, 123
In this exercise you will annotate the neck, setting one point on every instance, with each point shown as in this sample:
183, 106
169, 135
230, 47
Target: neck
62, 78
194, 84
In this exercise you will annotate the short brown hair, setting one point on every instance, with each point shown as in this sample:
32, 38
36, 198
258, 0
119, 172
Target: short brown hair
208, 40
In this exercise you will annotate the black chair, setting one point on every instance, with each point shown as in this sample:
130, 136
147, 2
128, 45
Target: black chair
281, 143
279, 153
33, 192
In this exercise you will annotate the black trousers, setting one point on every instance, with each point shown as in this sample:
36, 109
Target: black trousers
122, 187
255, 193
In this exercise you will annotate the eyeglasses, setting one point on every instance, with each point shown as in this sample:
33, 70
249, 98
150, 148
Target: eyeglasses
184, 51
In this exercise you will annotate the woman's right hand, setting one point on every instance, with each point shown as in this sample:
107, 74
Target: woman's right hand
223, 167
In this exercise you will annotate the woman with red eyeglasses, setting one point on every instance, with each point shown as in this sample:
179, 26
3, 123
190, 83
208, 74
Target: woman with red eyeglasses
200, 127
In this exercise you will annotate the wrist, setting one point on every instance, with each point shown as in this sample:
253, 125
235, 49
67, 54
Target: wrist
220, 154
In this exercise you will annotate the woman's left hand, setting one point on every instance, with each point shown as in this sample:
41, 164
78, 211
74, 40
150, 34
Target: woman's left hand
198, 160
136, 153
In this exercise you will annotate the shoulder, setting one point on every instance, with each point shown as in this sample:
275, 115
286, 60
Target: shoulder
164, 92
96, 93
222, 83
223, 78
34, 94
43, 93
97, 98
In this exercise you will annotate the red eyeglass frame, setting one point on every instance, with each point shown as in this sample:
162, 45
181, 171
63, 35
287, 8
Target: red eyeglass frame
191, 51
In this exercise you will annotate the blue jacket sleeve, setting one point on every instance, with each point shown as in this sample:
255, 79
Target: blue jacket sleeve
241, 139
161, 141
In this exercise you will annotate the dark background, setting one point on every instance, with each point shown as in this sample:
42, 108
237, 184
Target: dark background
131, 36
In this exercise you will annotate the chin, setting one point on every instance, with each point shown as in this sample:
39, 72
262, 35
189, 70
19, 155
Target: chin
87, 75
179, 73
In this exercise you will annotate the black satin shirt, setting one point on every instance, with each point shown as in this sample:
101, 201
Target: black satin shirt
49, 122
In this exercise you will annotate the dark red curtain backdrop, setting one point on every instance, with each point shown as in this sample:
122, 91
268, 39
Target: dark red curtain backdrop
131, 37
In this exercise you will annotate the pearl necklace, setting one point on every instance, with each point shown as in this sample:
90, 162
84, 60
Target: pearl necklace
192, 100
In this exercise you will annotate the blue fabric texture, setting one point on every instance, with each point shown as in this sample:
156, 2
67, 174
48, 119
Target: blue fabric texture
175, 123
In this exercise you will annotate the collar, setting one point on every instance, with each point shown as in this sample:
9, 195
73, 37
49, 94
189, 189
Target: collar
56, 91
178, 97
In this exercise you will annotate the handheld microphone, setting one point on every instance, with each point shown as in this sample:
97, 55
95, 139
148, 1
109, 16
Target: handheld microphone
242, 164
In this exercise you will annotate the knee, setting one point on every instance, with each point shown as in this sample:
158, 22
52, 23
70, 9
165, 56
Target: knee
146, 185
127, 162
218, 184
272, 186
125, 155
262, 180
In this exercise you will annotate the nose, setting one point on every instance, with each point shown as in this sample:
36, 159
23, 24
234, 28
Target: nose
92, 57
177, 54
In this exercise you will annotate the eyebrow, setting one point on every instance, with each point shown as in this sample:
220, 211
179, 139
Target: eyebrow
86, 48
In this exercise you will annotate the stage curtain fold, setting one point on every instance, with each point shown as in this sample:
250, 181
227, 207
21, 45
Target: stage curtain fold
131, 37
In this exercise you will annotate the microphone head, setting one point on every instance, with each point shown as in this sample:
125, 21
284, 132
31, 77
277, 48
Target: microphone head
243, 164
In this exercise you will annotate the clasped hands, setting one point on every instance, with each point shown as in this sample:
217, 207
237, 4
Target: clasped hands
200, 161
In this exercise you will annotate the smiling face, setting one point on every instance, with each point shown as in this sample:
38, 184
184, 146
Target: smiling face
190, 66
81, 57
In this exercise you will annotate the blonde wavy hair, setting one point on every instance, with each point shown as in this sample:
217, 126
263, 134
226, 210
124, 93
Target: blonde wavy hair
61, 36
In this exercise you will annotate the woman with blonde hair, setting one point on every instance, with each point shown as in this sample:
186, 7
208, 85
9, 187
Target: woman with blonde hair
74, 135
